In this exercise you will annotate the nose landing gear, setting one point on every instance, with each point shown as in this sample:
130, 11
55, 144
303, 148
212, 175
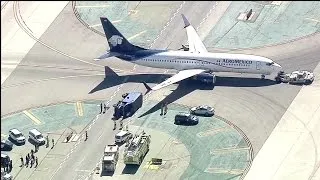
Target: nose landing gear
263, 76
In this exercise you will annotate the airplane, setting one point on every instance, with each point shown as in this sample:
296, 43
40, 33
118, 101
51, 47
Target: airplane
195, 60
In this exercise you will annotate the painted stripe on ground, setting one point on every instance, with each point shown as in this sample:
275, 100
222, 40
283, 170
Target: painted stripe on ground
32, 117
79, 108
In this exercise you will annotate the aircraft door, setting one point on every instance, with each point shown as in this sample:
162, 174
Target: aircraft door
258, 65
199, 64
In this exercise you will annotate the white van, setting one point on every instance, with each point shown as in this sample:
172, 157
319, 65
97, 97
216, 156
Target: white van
36, 136
123, 136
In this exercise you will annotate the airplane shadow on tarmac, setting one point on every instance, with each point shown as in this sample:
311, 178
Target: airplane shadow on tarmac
184, 88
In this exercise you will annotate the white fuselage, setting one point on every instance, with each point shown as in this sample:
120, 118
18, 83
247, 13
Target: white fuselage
216, 62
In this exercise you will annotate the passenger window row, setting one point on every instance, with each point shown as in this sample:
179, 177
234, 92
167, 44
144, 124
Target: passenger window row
193, 62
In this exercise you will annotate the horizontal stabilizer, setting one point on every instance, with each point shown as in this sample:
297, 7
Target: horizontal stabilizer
106, 55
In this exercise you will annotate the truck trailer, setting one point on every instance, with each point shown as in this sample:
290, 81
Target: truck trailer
130, 103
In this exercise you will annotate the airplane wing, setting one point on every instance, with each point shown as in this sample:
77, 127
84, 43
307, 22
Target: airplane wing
184, 74
195, 43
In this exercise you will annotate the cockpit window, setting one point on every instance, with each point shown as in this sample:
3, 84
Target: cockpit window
269, 64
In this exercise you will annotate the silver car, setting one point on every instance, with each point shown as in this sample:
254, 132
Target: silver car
203, 110
17, 136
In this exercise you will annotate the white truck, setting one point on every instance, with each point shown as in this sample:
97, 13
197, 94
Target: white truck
296, 77
110, 158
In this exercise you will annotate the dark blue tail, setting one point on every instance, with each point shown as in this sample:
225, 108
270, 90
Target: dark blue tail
117, 42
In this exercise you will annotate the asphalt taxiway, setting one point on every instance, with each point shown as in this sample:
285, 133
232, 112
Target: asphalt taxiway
63, 70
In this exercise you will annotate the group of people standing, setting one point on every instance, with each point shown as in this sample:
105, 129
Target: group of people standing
30, 159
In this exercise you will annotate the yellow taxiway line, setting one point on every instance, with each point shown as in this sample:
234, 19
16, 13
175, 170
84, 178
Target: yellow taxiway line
79, 108
32, 117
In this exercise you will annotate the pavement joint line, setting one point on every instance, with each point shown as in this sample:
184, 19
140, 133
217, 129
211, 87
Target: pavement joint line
180, 7
136, 35
226, 150
32, 117
208, 14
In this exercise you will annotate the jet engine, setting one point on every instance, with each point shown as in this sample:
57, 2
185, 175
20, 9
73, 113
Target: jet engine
207, 78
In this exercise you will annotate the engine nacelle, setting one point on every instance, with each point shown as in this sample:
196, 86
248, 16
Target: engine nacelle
205, 78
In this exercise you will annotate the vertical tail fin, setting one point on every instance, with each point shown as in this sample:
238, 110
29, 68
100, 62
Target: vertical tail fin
117, 42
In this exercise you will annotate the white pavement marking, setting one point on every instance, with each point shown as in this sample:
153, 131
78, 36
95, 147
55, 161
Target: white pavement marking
96, 6
313, 19
165, 27
292, 149
204, 19
15, 43
212, 18
96, 25
134, 36
113, 22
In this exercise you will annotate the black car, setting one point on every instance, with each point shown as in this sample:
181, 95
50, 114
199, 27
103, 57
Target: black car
6, 145
186, 119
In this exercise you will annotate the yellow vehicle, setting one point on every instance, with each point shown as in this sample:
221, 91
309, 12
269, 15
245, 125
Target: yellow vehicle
137, 149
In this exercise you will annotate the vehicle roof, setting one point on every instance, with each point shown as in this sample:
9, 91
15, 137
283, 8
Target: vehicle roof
121, 133
109, 158
131, 97
4, 155
35, 132
15, 131
183, 114
204, 106
111, 148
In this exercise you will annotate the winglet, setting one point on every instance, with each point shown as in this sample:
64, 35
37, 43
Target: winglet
185, 20
147, 87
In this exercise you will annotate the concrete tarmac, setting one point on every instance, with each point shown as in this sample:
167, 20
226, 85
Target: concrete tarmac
49, 77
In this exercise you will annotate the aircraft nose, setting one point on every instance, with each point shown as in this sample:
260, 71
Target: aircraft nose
277, 66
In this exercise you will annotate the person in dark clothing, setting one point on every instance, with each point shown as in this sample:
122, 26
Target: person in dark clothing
100, 108
165, 108
5, 168
10, 166
27, 160
21, 159
114, 125
52, 143
105, 108
86, 135
31, 162
32, 156
161, 110
36, 162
